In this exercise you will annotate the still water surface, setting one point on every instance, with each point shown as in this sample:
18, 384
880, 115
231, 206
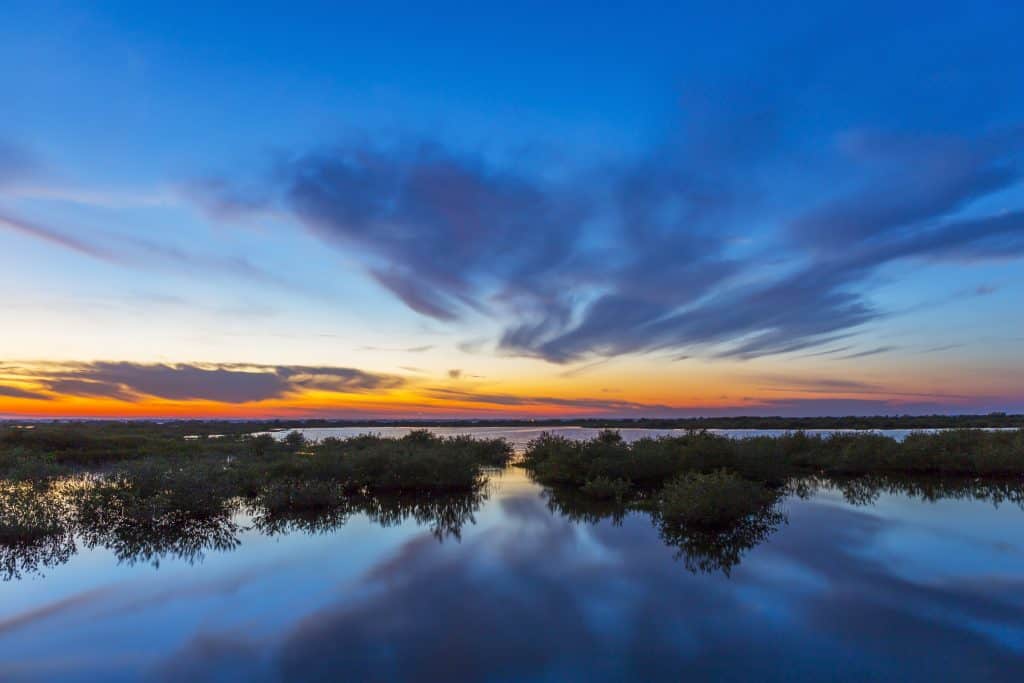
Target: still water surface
522, 585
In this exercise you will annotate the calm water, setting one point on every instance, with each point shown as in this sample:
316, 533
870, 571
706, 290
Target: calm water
522, 585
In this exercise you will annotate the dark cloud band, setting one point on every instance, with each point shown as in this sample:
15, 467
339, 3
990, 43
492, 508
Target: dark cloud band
211, 382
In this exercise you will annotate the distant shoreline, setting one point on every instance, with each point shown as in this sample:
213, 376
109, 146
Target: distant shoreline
991, 420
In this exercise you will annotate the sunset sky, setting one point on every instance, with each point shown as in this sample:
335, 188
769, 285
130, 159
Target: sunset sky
511, 210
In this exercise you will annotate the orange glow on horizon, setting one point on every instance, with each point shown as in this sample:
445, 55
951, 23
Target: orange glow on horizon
405, 405
626, 389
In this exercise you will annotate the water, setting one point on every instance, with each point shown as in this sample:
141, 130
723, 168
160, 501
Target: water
519, 437
524, 584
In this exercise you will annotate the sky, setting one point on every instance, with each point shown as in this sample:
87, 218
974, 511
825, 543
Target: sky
481, 210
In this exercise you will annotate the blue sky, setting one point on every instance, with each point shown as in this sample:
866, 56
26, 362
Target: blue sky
661, 203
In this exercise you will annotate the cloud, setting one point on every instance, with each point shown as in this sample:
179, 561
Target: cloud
129, 251
15, 392
826, 385
944, 347
869, 352
514, 400
815, 383
683, 249
539, 578
226, 383
451, 237
827, 352
435, 227
58, 238
828, 407
911, 179
223, 200
404, 349
640, 258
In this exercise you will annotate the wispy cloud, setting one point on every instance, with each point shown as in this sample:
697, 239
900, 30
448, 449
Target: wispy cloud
827, 352
944, 347
845, 387
226, 383
450, 235
133, 252
15, 392
869, 352
514, 400
58, 238
822, 384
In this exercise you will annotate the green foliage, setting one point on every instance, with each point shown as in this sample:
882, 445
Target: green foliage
294, 441
297, 495
712, 501
649, 463
419, 460
34, 532
603, 488
145, 491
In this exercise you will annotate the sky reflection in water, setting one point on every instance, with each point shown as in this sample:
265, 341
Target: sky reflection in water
901, 589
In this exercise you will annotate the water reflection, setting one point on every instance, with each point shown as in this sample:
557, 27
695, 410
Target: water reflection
34, 530
699, 549
42, 526
544, 599
867, 490
530, 584
444, 513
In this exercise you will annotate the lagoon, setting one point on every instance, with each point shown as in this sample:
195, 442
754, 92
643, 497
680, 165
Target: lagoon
851, 582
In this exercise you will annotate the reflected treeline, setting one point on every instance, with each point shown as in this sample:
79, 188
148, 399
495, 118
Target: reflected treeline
714, 497
721, 547
149, 495
44, 525
701, 548
712, 550
866, 490
34, 529
445, 513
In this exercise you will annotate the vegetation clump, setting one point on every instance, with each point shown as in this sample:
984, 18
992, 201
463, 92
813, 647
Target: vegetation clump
603, 488
714, 500
420, 460
145, 491
34, 530
153, 494
714, 497
652, 462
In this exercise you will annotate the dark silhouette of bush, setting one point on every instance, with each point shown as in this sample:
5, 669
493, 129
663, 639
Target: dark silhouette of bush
711, 501
650, 462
